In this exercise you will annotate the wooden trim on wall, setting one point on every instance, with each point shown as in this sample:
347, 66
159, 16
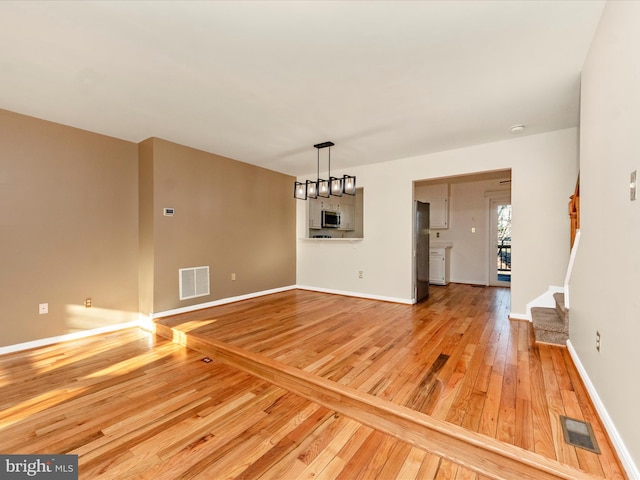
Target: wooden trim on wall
574, 211
474, 451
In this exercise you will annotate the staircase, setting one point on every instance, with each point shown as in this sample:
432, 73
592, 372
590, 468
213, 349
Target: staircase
551, 325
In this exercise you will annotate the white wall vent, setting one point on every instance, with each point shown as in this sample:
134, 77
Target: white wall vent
194, 282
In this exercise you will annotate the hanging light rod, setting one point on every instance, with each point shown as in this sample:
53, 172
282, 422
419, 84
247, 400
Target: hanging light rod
324, 145
324, 188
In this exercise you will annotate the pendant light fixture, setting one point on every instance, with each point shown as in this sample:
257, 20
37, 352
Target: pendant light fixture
324, 185
324, 188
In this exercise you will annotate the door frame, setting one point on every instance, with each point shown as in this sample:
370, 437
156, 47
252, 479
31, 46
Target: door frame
494, 198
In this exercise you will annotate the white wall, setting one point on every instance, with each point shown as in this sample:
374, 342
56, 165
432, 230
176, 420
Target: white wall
469, 210
605, 286
544, 170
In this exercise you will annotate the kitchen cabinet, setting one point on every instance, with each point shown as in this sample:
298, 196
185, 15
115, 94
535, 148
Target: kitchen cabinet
315, 215
439, 202
437, 196
439, 265
347, 217
329, 204
440, 213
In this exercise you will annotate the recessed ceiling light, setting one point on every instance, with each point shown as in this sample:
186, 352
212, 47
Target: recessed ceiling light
517, 129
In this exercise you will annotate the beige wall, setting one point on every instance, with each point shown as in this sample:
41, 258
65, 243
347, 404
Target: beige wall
606, 277
82, 217
145, 226
232, 216
68, 229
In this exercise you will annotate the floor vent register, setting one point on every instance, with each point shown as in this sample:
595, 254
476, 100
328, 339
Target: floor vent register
579, 434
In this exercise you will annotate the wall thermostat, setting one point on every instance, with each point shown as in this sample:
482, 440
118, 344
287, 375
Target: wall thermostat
168, 212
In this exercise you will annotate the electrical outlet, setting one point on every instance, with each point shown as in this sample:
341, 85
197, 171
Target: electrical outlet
233, 277
597, 341
88, 302
360, 274
43, 308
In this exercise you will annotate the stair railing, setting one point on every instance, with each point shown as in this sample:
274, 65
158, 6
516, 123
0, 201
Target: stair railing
572, 259
574, 211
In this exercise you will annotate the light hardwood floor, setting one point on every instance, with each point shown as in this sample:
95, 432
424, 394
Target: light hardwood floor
132, 405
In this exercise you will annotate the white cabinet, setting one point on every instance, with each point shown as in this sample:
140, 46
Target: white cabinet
329, 204
347, 217
437, 196
439, 213
314, 214
439, 266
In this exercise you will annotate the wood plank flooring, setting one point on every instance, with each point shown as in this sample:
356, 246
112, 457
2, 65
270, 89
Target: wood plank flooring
456, 357
132, 405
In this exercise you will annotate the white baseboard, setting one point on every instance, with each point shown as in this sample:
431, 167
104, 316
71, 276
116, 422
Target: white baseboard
144, 321
407, 301
222, 301
43, 342
625, 457
519, 316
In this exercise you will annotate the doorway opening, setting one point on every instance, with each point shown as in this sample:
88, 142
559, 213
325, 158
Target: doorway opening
500, 241
461, 220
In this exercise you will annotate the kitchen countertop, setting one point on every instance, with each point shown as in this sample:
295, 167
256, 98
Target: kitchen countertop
332, 239
440, 244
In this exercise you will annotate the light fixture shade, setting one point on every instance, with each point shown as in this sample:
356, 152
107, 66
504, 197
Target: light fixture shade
324, 188
349, 184
336, 186
312, 189
300, 191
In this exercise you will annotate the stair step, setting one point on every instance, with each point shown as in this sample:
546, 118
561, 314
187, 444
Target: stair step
562, 310
548, 319
546, 336
549, 327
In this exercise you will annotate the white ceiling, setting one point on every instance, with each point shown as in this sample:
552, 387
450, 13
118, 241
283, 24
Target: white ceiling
263, 81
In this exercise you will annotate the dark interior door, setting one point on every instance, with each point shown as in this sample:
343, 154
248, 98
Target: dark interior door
421, 256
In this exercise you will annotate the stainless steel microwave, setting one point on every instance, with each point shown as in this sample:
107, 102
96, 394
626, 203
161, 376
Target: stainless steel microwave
330, 219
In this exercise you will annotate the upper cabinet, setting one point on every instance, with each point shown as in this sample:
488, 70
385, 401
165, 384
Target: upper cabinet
315, 215
438, 198
346, 218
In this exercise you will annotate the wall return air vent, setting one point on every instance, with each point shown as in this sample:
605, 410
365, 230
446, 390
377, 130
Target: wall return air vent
194, 282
